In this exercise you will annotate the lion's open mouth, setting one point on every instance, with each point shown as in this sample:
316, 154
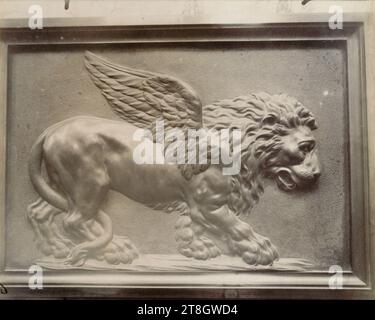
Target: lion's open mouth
285, 180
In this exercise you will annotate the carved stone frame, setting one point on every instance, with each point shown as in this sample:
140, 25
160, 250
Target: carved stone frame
206, 285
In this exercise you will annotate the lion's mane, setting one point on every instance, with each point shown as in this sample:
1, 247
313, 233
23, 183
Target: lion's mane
262, 119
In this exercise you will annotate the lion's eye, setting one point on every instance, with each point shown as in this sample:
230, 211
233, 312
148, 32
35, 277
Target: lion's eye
306, 146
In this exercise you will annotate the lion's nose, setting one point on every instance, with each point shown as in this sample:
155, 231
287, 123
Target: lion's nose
316, 175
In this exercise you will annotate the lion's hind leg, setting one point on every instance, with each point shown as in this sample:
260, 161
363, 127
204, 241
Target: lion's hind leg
87, 195
191, 242
89, 222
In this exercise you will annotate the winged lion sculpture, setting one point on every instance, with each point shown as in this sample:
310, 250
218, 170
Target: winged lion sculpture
75, 163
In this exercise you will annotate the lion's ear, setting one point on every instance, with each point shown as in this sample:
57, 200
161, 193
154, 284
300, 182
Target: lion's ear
269, 120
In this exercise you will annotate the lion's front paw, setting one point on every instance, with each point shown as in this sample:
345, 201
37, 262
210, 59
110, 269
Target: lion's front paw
200, 248
255, 250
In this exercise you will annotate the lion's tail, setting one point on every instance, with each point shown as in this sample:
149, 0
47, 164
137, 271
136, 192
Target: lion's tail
35, 171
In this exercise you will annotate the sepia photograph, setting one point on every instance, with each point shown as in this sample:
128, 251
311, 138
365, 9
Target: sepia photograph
187, 149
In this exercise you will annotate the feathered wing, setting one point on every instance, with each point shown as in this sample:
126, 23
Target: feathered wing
142, 97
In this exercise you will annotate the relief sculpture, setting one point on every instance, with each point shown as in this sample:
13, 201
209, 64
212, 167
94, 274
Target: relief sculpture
75, 163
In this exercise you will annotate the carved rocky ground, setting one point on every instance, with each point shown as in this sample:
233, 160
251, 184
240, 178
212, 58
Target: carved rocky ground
173, 263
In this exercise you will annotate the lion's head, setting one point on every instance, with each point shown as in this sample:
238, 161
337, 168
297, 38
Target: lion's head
293, 162
277, 142
284, 144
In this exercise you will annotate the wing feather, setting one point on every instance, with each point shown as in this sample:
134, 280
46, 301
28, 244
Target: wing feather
142, 97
